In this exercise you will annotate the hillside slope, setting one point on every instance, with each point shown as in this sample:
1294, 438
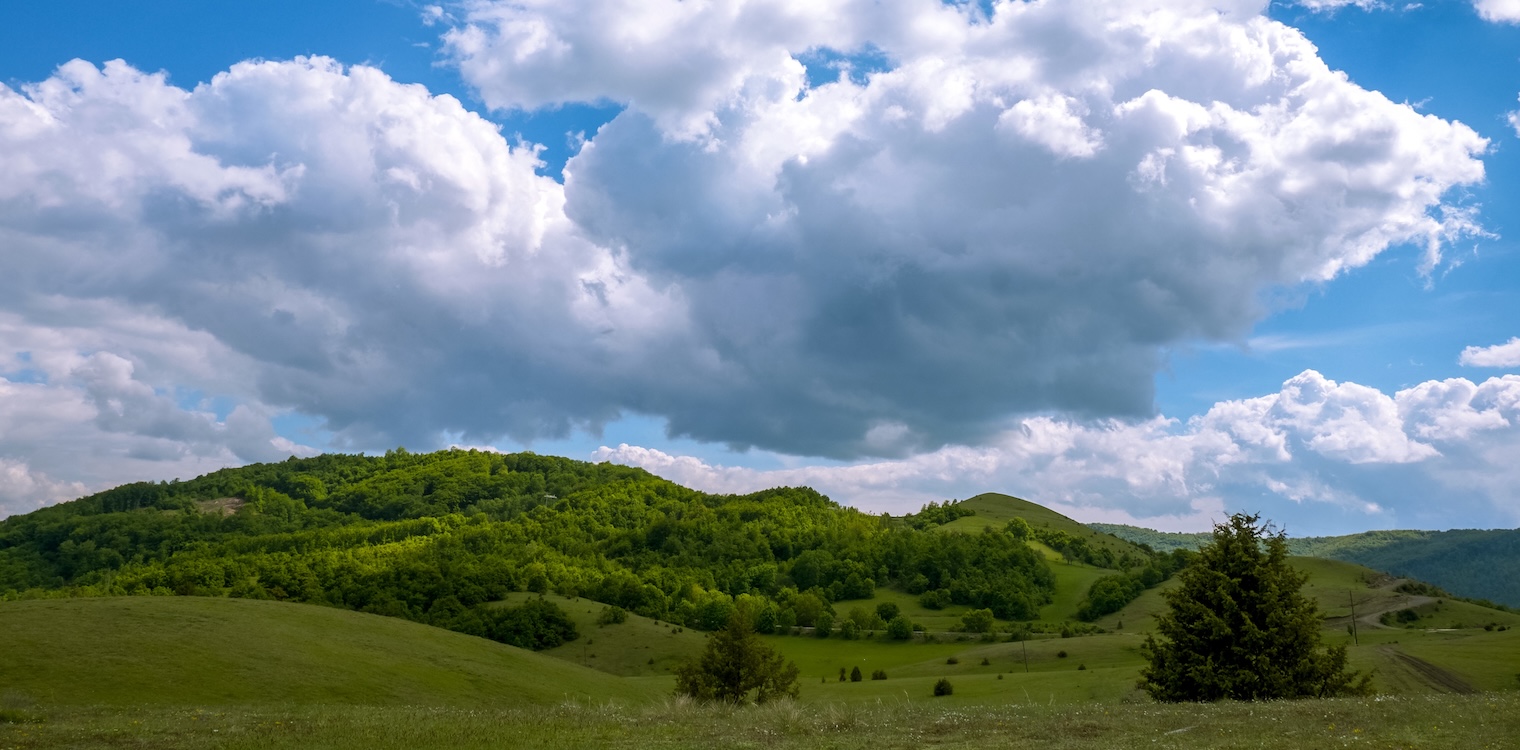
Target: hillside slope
212, 651
1462, 561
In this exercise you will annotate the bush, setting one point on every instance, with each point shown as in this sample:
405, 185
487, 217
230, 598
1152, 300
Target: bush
943, 687
735, 665
612, 616
977, 621
887, 611
855, 675
952, 660
899, 628
986, 662
1060, 654
537, 624
880, 674
1081, 667
823, 627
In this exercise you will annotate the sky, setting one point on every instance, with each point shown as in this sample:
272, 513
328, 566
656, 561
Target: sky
1143, 261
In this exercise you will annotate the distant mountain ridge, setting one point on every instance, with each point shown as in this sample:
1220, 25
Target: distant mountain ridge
1477, 563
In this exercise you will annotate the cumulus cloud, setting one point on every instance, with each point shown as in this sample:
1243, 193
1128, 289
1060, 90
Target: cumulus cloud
1313, 449
1498, 355
1015, 213
1498, 11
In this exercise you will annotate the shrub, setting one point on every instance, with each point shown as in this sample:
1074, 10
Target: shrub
1060, 654
899, 628
985, 661
943, 687
880, 674
736, 665
1081, 667
952, 660
855, 675
887, 611
612, 616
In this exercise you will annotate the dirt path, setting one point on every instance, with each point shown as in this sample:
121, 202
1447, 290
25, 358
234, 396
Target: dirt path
1428, 673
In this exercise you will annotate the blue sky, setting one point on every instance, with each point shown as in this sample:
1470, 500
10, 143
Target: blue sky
900, 252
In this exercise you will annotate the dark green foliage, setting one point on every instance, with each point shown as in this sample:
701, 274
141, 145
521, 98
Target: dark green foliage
900, 628
855, 675
943, 687
887, 610
613, 615
879, 674
1238, 627
536, 624
737, 667
952, 660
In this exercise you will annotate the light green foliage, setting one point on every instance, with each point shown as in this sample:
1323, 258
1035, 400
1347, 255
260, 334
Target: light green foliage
900, 628
1239, 627
737, 667
434, 538
977, 621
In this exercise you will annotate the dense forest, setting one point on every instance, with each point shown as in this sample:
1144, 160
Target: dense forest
437, 537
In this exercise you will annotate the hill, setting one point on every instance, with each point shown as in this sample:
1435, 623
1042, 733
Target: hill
995, 509
203, 651
1461, 561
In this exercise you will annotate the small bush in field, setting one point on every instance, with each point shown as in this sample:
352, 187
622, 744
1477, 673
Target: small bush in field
943, 687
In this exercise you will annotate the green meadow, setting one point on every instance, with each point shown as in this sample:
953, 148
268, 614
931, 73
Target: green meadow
168, 671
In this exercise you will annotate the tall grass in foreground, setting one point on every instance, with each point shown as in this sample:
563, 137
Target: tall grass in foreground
1475, 722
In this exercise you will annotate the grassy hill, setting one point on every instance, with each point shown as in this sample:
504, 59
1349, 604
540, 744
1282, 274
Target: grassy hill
205, 651
995, 510
1461, 561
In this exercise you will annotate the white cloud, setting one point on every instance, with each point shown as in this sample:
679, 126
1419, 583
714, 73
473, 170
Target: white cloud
1415, 458
1498, 11
1015, 214
1498, 355
1330, 6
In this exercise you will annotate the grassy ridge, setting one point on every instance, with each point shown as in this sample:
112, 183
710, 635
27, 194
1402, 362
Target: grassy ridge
996, 509
203, 651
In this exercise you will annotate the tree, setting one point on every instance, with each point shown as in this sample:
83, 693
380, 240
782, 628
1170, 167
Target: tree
900, 628
736, 664
1238, 627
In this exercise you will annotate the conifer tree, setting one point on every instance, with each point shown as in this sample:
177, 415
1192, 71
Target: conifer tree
735, 664
1239, 628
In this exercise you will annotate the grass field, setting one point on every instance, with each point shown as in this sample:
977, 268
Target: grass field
202, 672
636, 647
1481, 722
201, 651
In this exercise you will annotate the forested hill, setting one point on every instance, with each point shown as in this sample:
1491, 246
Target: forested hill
1467, 562
433, 537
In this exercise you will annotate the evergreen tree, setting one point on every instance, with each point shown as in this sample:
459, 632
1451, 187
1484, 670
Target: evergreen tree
736, 663
1239, 628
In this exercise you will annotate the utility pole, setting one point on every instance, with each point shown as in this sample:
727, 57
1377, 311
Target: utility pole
1352, 598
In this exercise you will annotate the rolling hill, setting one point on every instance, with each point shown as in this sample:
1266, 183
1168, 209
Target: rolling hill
1462, 561
216, 651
